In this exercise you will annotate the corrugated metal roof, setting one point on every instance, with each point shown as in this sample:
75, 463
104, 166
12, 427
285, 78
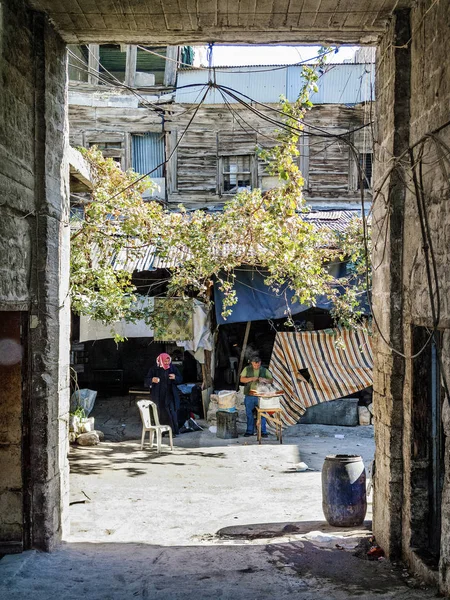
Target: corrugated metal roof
341, 84
336, 220
350, 83
146, 259
262, 66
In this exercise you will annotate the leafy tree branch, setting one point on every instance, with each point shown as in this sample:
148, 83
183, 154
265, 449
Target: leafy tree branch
265, 230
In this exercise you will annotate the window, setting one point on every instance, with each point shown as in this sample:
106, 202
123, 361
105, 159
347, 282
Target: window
361, 166
148, 154
365, 166
111, 149
237, 173
112, 63
151, 65
78, 64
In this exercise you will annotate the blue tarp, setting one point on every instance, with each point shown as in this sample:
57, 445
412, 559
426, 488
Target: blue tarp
257, 302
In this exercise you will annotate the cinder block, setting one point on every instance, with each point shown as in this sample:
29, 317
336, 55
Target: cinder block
335, 412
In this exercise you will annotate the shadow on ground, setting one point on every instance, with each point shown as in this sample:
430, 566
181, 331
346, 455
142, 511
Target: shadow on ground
278, 571
128, 457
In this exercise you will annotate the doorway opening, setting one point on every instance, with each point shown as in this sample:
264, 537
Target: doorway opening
209, 483
14, 429
427, 452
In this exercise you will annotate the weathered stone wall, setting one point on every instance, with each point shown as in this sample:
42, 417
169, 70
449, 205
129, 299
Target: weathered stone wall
430, 84
17, 179
391, 139
34, 267
401, 290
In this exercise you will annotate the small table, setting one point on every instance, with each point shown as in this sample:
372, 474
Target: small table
273, 416
136, 393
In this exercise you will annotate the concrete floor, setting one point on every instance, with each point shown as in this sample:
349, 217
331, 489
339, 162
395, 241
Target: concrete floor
212, 519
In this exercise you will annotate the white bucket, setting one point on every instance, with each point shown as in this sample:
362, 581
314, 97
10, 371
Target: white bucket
87, 425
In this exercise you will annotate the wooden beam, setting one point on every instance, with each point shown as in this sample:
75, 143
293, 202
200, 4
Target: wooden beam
170, 72
244, 348
128, 154
130, 65
93, 63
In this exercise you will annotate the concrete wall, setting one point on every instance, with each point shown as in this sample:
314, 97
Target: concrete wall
413, 97
34, 236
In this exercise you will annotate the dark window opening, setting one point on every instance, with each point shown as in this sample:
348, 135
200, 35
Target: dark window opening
151, 61
427, 464
365, 165
112, 63
236, 174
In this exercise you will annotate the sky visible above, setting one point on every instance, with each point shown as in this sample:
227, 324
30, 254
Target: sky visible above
267, 55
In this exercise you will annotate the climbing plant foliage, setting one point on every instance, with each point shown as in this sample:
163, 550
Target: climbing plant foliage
266, 230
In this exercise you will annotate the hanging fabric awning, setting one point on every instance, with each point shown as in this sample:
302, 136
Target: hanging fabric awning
317, 366
197, 328
258, 302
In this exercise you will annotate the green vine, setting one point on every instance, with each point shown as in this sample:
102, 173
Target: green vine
265, 230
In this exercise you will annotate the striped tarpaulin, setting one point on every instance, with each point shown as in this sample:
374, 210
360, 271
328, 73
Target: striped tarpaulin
317, 366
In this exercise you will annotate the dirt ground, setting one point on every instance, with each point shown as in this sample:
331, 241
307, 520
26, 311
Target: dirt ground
212, 519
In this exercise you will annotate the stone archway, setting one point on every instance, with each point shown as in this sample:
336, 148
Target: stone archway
412, 71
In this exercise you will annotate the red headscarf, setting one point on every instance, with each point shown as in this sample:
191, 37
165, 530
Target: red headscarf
160, 360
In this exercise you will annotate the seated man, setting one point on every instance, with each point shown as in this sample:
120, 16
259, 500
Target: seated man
251, 376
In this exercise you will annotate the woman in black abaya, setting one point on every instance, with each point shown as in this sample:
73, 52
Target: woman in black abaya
163, 380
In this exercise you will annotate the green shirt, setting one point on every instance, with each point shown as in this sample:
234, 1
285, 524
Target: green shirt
249, 371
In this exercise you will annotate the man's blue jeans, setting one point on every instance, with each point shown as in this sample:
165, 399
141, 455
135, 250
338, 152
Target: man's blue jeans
251, 402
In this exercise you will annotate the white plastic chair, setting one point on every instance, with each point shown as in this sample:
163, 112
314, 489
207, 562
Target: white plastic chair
144, 410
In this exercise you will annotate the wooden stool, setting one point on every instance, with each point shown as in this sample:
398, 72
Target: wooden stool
273, 416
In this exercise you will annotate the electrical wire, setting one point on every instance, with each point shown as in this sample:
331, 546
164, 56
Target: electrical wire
239, 118
234, 94
426, 238
118, 83
228, 90
133, 183
418, 193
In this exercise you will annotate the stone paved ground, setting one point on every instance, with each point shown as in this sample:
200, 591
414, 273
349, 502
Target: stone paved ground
212, 519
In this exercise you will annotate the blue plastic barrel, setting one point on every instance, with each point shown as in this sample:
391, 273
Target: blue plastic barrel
344, 500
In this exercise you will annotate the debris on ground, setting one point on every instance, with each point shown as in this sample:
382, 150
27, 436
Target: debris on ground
375, 553
368, 549
302, 467
88, 439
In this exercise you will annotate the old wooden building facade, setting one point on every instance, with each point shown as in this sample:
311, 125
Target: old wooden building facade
218, 154
201, 146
